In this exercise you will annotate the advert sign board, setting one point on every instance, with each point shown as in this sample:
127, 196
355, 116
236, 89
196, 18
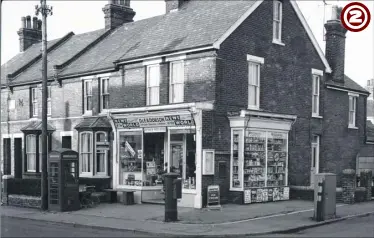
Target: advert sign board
213, 197
154, 121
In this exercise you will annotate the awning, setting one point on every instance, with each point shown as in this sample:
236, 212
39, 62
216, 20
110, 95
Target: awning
94, 123
36, 127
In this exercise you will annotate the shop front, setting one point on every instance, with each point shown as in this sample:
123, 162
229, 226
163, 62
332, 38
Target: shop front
150, 144
259, 156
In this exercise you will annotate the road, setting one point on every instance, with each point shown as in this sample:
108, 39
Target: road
356, 227
12, 227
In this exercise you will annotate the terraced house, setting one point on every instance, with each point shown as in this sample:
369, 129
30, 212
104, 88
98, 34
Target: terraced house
205, 90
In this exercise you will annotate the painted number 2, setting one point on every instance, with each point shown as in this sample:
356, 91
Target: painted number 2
355, 16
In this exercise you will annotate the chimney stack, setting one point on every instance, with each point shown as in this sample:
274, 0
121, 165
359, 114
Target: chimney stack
335, 45
117, 13
174, 5
29, 35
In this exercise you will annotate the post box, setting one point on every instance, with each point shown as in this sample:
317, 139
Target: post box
171, 194
177, 188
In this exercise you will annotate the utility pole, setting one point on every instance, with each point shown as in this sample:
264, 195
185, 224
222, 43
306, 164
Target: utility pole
44, 10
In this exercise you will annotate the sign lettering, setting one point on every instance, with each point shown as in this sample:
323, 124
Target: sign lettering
154, 121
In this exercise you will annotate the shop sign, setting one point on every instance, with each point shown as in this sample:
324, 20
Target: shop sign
213, 196
154, 121
155, 130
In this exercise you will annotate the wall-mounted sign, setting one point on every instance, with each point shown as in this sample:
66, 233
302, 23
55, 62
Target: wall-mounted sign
154, 121
155, 130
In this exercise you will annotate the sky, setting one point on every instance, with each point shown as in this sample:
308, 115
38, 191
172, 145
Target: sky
84, 16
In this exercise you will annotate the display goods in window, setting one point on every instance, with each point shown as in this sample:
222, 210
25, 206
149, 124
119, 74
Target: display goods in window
235, 164
254, 159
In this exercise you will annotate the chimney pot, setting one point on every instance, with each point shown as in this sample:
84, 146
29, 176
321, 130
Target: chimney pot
23, 20
334, 13
28, 22
35, 23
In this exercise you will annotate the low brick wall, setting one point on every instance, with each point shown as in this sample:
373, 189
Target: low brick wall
24, 201
308, 194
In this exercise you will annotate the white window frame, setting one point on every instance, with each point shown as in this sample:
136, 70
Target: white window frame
149, 103
354, 97
317, 146
34, 101
40, 151
33, 151
89, 173
49, 100
257, 62
277, 21
205, 171
172, 83
105, 173
86, 96
104, 94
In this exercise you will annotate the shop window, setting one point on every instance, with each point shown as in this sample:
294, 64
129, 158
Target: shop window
153, 84
101, 154
265, 159
277, 22
131, 157
85, 150
176, 82
31, 153
104, 94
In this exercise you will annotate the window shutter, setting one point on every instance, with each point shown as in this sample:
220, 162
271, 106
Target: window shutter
82, 96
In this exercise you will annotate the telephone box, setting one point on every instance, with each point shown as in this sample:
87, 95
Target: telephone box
63, 180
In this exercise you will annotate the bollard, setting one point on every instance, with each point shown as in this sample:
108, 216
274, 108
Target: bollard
320, 199
171, 210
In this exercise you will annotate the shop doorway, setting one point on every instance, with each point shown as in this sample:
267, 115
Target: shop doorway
153, 165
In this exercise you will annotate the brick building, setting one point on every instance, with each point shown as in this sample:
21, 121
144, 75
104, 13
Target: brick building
205, 90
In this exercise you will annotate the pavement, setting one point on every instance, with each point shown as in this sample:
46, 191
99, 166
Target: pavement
253, 219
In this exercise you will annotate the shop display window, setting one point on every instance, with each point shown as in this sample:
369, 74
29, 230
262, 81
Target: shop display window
264, 159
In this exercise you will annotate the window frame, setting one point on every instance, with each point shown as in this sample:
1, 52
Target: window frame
104, 94
277, 21
205, 152
49, 100
171, 83
30, 152
257, 62
86, 96
105, 173
34, 101
354, 97
40, 151
90, 172
148, 78
316, 145
316, 76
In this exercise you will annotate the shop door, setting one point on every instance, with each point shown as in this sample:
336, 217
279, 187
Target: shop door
176, 160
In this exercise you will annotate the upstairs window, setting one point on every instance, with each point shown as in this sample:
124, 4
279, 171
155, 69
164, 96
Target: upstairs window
153, 84
49, 101
254, 67
315, 100
352, 110
277, 22
104, 94
87, 93
34, 102
177, 82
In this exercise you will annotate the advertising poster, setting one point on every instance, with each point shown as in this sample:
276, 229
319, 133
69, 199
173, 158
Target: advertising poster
247, 196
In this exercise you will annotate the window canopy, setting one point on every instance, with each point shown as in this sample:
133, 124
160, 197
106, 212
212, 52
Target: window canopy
35, 127
94, 123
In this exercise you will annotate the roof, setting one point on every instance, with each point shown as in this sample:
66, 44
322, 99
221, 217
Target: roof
94, 123
37, 126
349, 84
196, 24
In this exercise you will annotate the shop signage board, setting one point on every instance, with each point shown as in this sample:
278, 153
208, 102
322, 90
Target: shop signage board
154, 121
155, 130
266, 194
213, 196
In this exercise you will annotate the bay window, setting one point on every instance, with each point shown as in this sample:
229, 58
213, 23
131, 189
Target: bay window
101, 154
41, 151
86, 152
31, 153
153, 84
176, 82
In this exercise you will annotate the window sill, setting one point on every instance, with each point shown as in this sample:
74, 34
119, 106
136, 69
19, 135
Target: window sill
278, 43
94, 176
254, 108
316, 116
87, 114
188, 191
236, 189
353, 127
